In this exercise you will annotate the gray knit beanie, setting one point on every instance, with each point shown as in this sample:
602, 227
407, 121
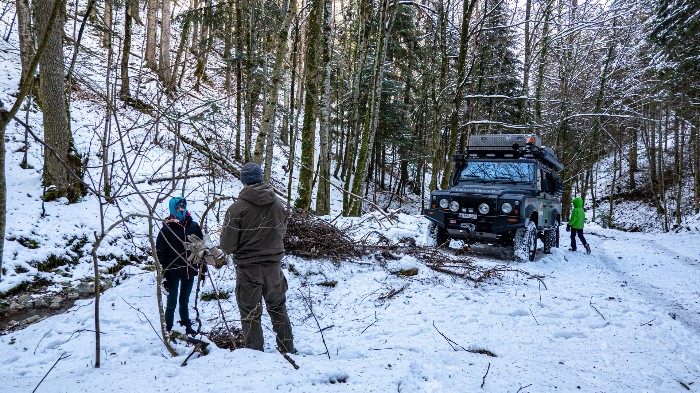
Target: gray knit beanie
251, 173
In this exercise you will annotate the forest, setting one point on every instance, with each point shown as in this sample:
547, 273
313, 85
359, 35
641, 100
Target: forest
355, 110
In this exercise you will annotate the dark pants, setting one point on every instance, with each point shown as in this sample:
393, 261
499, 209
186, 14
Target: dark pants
253, 283
578, 232
185, 288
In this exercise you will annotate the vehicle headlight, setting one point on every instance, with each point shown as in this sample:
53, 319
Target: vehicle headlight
507, 208
483, 208
443, 203
454, 206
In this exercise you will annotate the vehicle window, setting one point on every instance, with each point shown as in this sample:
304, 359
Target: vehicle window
551, 184
545, 181
509, 171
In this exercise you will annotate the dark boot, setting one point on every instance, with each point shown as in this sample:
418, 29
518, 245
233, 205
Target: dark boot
588, 248
188, 328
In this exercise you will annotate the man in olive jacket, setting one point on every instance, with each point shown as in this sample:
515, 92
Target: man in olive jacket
253, 232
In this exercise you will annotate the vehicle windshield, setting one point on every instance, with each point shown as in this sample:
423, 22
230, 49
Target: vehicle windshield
498, 171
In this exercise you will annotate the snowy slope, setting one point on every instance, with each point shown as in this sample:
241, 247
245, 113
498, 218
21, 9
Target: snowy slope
625, 318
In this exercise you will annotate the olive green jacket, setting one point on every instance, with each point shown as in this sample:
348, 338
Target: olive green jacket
254, 226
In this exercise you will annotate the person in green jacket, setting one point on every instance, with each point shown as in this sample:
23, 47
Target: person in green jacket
575, 225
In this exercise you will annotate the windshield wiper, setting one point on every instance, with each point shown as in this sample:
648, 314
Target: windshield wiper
500, 179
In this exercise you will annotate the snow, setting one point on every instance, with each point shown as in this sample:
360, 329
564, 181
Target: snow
625, 318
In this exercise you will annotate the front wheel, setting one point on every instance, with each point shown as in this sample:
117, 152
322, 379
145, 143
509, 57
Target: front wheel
439, 234
525, 243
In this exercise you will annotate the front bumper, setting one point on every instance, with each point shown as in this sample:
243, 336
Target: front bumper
488, 226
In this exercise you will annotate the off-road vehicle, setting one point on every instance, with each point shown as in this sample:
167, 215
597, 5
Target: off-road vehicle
506, 190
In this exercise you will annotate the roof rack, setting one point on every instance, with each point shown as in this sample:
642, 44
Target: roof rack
510, 146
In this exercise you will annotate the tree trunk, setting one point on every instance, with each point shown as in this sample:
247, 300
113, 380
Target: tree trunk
369, 132
542, 62
239, 76
323, 195
308, 128
633, 166
467, 10
124, 90
57, 134
26, 39
164, 69
438, 153
107, 34
696, 168
268, 119
356, 88
151, 35
527, 62
679, 136
180, 56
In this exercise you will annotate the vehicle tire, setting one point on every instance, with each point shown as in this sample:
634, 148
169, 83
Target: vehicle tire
439, 234
525, 243
550, 240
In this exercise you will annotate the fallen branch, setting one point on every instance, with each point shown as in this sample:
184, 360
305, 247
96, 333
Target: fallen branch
149, 322
289, 359
392, 293
47, 373
596, 310
449, 340
483, 380
308, 304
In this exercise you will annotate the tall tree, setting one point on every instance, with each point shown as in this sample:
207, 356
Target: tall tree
369, 130
151, 34
26, 39
164, 70
61, 163
323, 195
311, 86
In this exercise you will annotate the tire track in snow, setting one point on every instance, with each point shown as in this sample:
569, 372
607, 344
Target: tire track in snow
677, 308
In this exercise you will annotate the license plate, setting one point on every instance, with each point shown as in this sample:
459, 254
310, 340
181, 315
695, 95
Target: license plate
467, 215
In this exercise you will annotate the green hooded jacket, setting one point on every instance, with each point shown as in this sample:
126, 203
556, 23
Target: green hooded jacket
578, 216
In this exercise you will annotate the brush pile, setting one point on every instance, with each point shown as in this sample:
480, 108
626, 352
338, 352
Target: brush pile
225, 339
310, 237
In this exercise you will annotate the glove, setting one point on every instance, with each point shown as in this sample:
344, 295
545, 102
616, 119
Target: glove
194, 244
568, 227
166, 286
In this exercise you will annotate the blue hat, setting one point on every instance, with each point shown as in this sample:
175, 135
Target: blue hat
174, 204
251, 173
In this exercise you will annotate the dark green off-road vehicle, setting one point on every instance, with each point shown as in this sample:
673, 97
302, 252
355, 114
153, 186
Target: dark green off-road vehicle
506, 190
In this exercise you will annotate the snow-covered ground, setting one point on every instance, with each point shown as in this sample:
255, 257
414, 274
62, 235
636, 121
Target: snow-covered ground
626, 318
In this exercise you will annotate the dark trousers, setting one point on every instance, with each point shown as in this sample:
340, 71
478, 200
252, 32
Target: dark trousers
578, 232
185, 288
253, 283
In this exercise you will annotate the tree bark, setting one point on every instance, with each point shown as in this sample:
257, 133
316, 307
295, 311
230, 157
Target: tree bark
124, 89
527, 63
26, 39
369, 132
106, 35
57, 132
467, 10
268, 119
164, 70
308, 128
323, 195
151, 35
